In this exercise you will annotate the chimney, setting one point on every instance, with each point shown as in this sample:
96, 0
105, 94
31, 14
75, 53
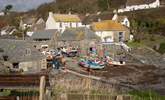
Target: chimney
98, 13
115, 16
50, 13
69, 13
99, 19
87, 14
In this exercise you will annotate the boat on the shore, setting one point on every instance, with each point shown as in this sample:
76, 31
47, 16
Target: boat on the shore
116, 63
91, 64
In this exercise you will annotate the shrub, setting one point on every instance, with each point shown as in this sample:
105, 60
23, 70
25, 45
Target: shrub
162, 48
146, 95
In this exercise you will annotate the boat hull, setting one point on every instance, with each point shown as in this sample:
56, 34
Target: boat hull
91, 65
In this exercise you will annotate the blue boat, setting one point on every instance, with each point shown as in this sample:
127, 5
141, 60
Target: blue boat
91, 64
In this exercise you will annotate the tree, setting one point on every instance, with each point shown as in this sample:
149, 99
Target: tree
162, 48
138, 28
7, 8
104, 4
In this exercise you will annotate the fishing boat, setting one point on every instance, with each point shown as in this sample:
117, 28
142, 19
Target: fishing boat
116, 63
111, 61
72, 53
91, 64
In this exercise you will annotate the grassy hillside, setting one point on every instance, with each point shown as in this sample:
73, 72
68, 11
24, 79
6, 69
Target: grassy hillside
148, 27
149, 21
79, 6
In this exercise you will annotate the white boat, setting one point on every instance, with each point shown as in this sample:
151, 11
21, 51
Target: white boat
117, 63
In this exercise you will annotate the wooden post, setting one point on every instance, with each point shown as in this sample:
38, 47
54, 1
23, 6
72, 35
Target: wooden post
42, 87
64, 96
48, 94
119, 97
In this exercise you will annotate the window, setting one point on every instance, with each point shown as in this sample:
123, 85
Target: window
28, 51
70, 24
16, 65
121, 36
1, 50
5, 58
76, 24
35, 46
120, 33
1, 90
126, 22
60, 24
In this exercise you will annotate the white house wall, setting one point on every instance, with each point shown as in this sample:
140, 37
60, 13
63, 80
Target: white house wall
2, 13
126, 22
79, 24
140, 7
50, 23
103, 34
61, 26
3, 32
73, 24
114, 17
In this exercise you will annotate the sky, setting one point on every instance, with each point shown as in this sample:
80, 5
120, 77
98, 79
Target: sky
22, 5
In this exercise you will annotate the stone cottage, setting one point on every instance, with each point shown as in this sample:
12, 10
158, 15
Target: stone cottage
45, 38
82, 37
21, 55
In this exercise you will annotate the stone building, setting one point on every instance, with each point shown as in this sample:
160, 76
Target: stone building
21, 55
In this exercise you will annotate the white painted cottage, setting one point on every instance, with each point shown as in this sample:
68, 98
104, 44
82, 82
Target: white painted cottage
7, 30
111, 31
62, 21
2, 14
132, 5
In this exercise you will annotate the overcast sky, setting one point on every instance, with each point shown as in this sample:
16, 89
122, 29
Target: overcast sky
22, 5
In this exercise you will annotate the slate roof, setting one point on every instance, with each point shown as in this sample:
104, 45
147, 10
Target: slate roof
107, 25
77, 34
94, 17
39, 25
40, 21
8, 28
139, 2
44, 34
8, 37
19, 51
